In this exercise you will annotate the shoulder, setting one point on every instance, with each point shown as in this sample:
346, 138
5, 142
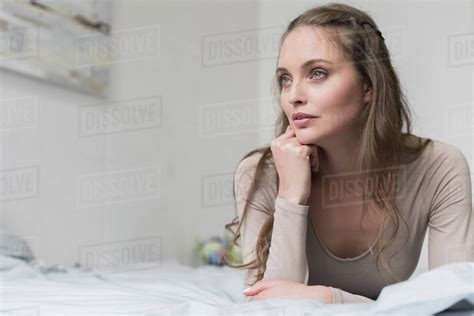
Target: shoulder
448, 156
449, 175
441, 154
248, 166
439, 171
448, 151
248, 169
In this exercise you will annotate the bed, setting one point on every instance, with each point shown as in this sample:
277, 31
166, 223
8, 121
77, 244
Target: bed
170, 288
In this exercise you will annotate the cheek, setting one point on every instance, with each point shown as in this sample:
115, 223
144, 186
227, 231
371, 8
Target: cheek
286, 107
339, 102
337, 120
336, 95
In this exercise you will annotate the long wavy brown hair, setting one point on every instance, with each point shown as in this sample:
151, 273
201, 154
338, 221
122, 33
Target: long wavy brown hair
380, 135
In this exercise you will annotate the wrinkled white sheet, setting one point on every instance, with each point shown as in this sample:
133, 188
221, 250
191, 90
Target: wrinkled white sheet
174, 289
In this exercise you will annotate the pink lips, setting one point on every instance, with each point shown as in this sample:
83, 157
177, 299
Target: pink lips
300, 115
302, 119
303, 122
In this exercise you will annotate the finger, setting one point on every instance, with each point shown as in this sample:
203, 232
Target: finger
306, 150
315, 167
312, 155
263, 295
315, 158
311, 161
260, 286
289, 133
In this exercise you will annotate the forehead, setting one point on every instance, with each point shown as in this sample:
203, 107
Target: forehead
304, 43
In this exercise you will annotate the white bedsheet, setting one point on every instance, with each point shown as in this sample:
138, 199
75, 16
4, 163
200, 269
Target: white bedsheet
174, 289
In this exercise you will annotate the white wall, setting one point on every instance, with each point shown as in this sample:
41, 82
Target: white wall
62, 219
192, 141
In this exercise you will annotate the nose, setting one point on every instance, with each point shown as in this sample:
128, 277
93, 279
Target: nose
297, 93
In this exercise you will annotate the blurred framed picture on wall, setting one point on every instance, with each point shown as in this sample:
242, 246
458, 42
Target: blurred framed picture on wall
64, 42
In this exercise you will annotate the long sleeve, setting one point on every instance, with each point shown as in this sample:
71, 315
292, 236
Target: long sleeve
287, 253
343, 297
451, 229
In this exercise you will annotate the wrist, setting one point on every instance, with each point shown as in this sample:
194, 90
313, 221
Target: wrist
322, 293
293, 199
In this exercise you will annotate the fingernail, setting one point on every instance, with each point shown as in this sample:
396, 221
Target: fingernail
247, 289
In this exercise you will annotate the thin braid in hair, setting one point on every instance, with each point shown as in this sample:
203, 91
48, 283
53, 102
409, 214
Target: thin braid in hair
362, 23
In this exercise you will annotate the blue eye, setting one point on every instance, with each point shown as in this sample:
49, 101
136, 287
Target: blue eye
318, 72
281, 79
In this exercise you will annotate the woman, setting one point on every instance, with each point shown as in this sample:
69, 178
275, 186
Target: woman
338, 205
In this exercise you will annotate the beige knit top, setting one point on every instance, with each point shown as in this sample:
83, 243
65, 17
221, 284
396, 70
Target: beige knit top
436, 195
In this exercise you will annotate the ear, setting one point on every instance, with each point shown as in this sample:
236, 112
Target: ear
368, 94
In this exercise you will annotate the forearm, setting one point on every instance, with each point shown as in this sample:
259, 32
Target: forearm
287, 255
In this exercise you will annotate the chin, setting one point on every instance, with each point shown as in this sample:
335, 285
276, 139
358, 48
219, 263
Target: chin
307, 138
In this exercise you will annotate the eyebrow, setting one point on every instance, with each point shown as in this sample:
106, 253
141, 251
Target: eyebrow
306, 64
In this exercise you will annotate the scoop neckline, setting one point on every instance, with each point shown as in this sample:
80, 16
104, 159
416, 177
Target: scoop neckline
329, 253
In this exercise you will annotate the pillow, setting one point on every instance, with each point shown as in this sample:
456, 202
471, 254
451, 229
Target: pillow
14, 246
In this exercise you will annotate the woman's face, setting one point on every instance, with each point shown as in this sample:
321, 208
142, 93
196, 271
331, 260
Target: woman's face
329, 89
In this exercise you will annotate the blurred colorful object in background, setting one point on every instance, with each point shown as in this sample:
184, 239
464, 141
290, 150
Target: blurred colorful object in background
213, 250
